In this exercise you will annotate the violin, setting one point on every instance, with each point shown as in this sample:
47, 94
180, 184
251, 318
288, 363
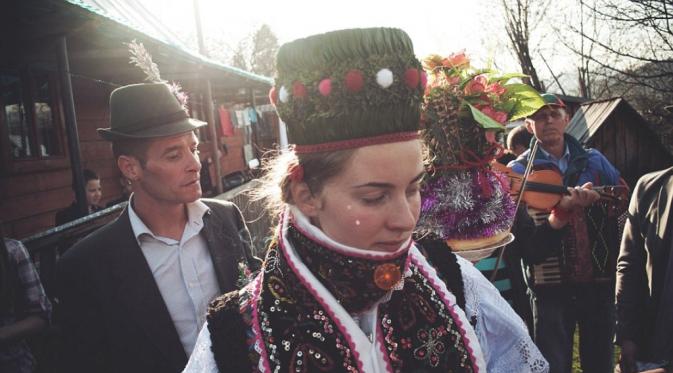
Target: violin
544, 188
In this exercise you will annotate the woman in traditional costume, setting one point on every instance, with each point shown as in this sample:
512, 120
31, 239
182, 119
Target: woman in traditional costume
343, 287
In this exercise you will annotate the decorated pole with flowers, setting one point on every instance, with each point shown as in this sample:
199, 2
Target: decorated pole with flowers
464, 201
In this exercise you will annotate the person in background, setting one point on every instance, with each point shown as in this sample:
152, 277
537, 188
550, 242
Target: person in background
583, 257
24, 308
518, 140
93, 191
134, 293
644, 289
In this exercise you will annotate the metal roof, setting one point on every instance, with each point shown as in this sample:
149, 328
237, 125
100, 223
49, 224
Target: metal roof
134, 15
591, 116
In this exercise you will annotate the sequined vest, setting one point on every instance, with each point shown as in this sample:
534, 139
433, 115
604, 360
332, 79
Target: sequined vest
287, 324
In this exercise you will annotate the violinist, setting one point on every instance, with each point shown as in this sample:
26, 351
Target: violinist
571, 275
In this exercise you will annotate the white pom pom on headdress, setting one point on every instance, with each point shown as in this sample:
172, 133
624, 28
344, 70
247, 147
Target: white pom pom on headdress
283, 95
384, 78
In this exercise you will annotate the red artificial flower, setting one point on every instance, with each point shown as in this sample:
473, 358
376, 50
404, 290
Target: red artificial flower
456, 60
325, 87
476, 85
498, 116
496, 89
411, 78
298, 90
490, 137
453, 80
354, 80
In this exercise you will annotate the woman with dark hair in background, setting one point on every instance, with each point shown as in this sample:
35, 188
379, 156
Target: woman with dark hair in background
24, 307
93, 192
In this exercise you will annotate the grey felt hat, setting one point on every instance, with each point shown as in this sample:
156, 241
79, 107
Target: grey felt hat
148, 110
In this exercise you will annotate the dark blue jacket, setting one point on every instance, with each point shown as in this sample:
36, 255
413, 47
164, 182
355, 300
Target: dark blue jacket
584, 165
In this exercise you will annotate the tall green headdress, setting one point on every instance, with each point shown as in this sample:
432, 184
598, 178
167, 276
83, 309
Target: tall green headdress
349, 88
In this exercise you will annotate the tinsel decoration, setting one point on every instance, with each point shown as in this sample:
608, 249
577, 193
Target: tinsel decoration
142, 59
466, 204
463, 107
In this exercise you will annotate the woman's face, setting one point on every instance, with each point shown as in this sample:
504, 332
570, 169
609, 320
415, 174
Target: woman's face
94, 192
374, 203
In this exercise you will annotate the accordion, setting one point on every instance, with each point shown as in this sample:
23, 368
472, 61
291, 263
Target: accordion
587, 255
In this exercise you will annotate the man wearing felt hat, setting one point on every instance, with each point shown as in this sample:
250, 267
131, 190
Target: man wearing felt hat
572, 280
133, 294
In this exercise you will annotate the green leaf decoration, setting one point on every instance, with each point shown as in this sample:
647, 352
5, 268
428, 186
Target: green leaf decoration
484, 120
502, 79
528, 101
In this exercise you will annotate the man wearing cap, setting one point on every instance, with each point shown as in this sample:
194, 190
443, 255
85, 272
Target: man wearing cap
572, 281
134, 294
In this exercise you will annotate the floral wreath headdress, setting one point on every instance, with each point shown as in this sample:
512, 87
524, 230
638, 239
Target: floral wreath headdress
462, 109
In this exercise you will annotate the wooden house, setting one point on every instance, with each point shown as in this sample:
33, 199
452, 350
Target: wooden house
59, 61
618, 131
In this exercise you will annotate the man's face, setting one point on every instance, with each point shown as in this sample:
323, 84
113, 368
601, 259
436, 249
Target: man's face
548, 125
171, 171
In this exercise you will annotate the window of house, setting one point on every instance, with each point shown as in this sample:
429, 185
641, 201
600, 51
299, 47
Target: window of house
27, 104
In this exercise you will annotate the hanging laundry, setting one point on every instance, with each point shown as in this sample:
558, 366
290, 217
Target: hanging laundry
234, 118
242, 117
252, 115
225, 122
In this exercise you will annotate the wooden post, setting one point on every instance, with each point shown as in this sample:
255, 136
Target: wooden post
210, 109
71, 126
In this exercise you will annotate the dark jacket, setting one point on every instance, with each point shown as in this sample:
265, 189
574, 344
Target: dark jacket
645, 269
584, 165
71, 213
112, 313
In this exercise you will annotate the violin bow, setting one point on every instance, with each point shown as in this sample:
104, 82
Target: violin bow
524, 180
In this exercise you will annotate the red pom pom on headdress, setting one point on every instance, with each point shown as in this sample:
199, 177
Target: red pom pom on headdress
412, 77
354, 80
298, 90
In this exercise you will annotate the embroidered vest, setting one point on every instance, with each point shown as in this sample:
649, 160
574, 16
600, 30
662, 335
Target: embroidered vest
288, 326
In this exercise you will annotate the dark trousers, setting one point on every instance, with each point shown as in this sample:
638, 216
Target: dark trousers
556, 313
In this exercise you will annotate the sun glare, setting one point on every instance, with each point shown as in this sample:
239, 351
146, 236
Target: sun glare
443, 27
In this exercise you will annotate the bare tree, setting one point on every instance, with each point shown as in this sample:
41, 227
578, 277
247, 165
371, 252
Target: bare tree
638, 49
239, 58
256, 52
521, 17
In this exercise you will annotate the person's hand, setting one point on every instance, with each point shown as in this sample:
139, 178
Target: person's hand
579, 197
627, 359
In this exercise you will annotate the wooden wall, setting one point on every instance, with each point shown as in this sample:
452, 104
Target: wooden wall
31, 195
234, 160
631, 146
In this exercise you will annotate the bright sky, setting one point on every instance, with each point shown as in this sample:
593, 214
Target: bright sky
435, 27
440, 27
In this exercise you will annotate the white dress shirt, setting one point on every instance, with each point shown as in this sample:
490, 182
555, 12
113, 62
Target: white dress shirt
183, 271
